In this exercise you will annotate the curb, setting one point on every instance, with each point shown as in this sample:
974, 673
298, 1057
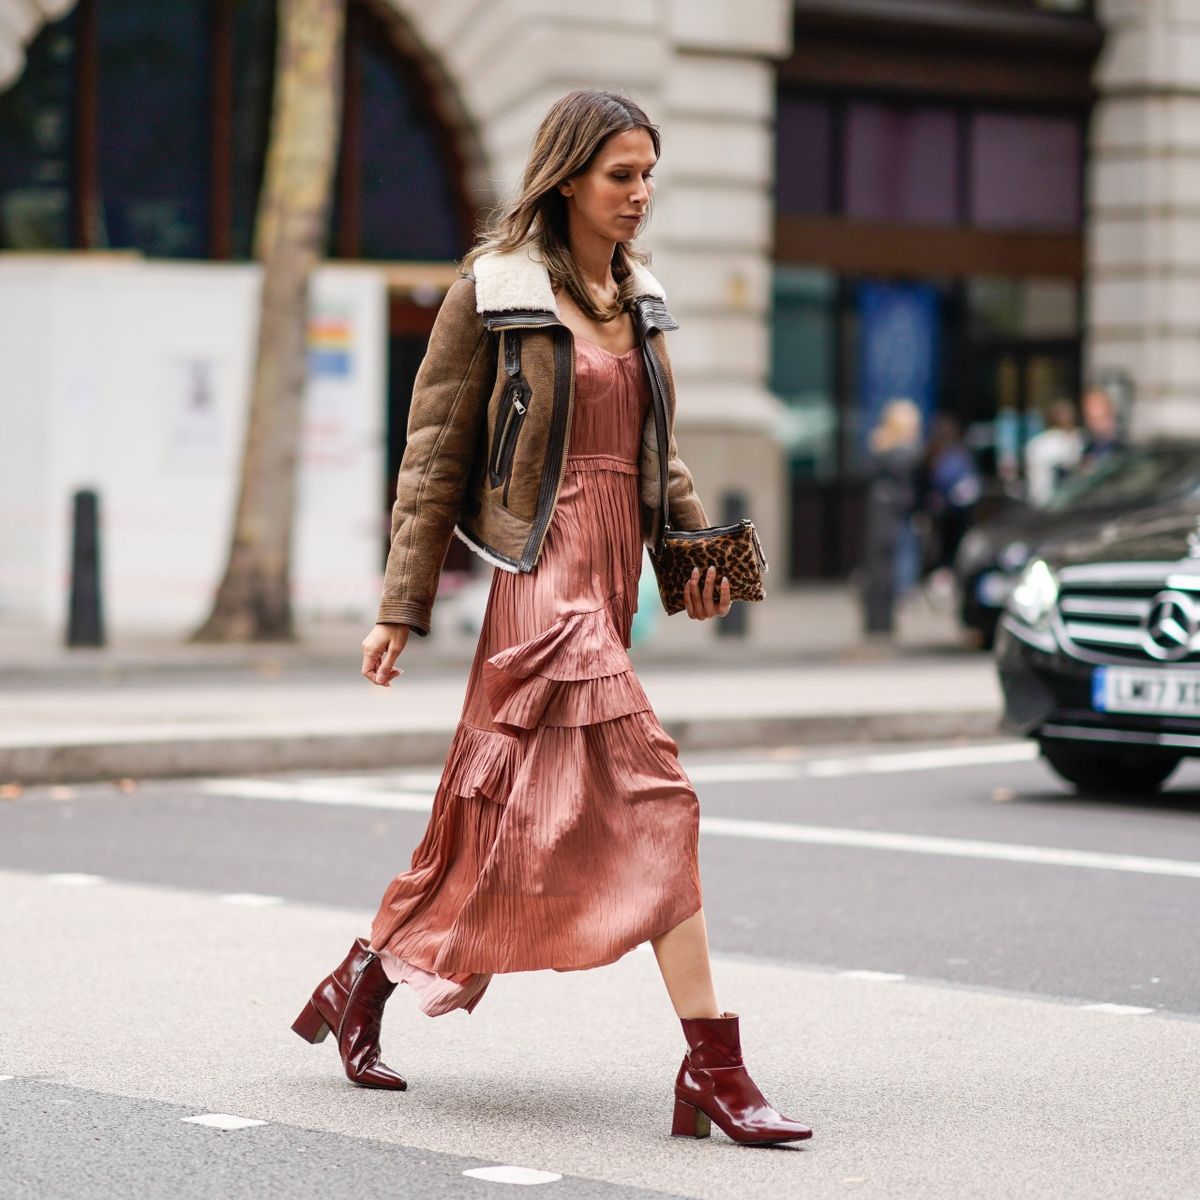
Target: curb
256, 754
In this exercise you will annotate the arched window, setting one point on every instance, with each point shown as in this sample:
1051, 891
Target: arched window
143, 126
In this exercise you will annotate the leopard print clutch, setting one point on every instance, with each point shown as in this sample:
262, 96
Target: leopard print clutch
733, 549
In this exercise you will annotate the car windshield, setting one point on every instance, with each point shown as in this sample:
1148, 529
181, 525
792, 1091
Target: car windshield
1140, 476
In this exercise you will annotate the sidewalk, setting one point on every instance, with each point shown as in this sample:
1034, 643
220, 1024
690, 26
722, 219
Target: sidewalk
156, 708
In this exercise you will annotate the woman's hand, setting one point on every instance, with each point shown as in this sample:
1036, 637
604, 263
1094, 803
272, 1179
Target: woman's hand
699, 600
381, 647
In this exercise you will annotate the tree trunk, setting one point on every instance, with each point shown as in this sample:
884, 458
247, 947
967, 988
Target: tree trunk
253, 601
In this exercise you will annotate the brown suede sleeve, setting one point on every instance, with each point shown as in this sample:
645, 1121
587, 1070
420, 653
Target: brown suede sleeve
445, 427
686, 511
684, 508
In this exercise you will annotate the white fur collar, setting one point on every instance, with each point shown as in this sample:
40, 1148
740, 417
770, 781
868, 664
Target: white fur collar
518, 279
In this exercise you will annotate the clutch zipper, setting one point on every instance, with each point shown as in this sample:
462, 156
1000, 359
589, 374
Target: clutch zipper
717, 530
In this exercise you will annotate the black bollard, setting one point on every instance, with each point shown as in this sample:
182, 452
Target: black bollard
733, 509
85, 625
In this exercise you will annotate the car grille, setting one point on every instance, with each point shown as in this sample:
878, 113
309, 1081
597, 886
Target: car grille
1106, 618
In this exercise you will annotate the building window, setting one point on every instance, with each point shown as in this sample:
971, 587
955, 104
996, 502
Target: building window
1026, 171
152, 125
144, 126
253, 68
803, 367
36, 165
391, 161
1022, 308
897, 162
804, 157
901, 164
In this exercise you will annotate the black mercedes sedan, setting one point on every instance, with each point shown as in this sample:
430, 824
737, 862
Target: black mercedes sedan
993, 554
1099, 650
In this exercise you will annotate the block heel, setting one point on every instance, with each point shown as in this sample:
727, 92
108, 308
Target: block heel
690, 1122
310, 1025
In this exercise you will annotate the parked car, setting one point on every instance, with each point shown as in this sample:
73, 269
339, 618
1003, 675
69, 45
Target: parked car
993, 554
1099, 650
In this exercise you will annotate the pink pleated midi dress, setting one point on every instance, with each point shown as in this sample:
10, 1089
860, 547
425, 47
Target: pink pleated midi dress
564, 829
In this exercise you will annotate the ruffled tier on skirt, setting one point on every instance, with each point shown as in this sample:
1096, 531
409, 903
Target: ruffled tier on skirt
560, 838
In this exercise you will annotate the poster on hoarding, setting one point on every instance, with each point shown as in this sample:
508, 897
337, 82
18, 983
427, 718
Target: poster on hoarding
196, 418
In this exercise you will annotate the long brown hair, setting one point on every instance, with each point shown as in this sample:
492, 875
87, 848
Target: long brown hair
566, 144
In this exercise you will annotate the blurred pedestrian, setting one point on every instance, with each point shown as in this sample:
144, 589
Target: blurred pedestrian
895, 446
564, 830
1102, 434
950, 490
1053, 454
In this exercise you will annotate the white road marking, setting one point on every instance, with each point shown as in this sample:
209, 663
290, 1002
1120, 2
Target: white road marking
75, 879
223, 1121
309, 792
5, 1078
512, 1175
252, 899
874, 976
912, 843
1118, 1010
314, 792
413, 791
922, 760
746, 772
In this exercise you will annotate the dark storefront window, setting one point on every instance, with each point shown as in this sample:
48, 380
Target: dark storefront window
901, 164
899, 225
396, 164
153, 126
36, 163
253, 54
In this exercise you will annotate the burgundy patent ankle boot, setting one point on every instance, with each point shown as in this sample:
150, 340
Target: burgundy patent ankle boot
713, 1086
350, 1002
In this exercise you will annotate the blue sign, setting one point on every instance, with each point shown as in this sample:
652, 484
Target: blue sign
898, 350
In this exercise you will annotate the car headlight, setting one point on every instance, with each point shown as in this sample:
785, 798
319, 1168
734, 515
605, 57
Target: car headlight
1034, 595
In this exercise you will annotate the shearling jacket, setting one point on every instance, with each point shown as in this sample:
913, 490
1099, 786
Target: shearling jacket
490, 424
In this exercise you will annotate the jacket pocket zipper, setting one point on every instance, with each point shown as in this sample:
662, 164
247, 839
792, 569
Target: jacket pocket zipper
506, 440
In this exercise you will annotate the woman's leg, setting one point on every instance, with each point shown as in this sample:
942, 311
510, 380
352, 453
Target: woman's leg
682, 955
712, 1084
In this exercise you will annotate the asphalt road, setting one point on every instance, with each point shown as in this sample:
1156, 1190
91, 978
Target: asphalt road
921, 935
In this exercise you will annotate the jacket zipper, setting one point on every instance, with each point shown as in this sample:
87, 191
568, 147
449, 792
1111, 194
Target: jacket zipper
511, 431
506, 439
564, 380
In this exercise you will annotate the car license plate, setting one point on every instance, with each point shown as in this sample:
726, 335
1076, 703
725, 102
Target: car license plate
1129, 690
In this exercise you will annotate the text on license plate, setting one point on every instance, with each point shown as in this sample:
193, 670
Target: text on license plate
1126, 689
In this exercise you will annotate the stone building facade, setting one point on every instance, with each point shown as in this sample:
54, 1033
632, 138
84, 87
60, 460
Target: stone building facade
1144, 211
716, 75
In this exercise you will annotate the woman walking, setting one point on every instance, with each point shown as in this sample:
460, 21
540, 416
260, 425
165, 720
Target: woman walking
564, 830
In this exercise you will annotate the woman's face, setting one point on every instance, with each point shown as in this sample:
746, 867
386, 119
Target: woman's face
610, 198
